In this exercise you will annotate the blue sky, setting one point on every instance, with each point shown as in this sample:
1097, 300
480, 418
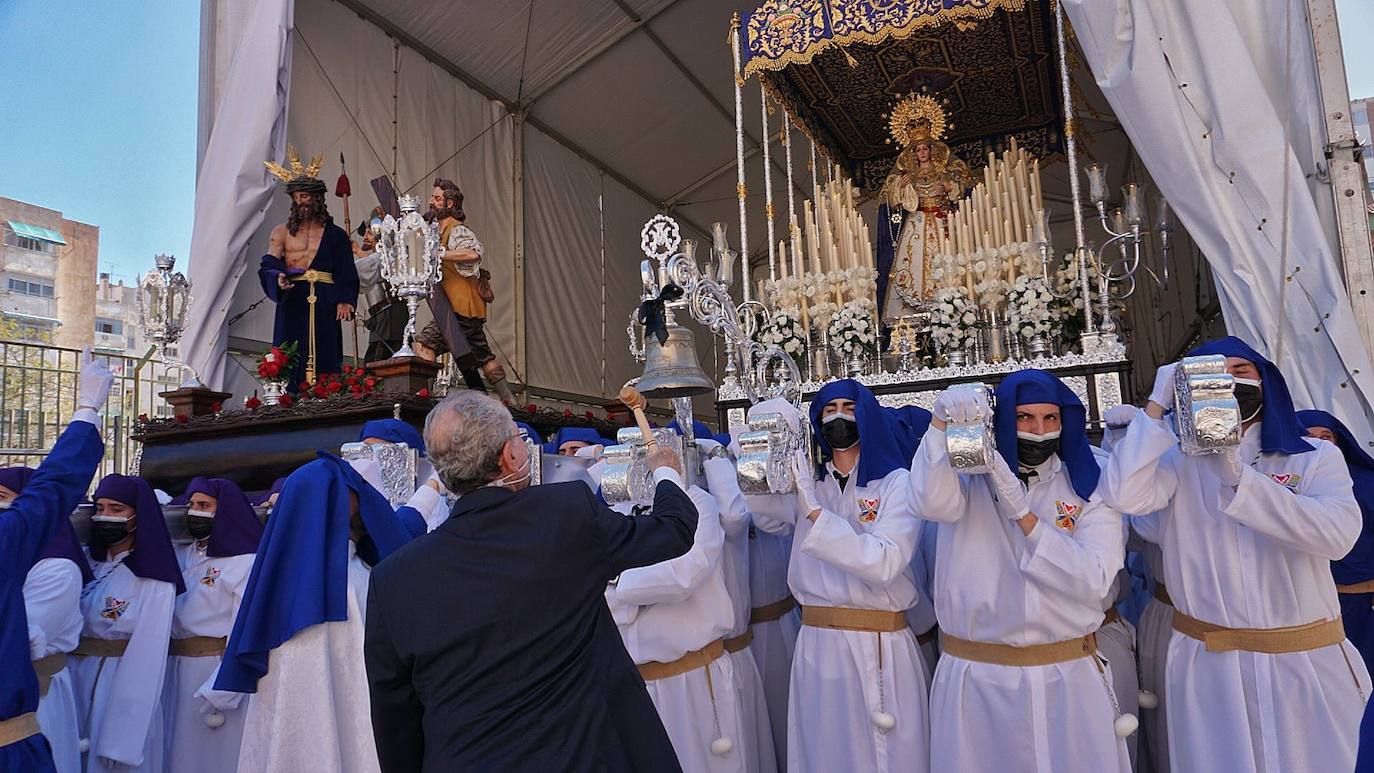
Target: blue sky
100, 120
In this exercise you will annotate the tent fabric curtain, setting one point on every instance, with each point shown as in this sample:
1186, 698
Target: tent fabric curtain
233, 188
1203, 90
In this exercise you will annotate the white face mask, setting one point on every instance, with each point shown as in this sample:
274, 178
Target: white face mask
201, 513
1034, 438
513, 480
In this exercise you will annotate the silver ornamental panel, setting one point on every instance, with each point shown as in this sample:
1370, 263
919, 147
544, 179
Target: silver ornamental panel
764, 465
627, 477
395, 461
972, 444
536, 463
562, 469
1206, 414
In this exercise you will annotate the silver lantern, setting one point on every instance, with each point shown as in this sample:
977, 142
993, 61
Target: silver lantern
164, 297
411, 261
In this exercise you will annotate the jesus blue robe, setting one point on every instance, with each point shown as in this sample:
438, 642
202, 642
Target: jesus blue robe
25, 528
292, 323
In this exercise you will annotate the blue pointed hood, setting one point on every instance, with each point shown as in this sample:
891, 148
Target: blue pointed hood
300, 576
912, 423
570, 434
237, 530
1036, 386
880, 451
1358, 565
393, 431
153, 557
1280, 431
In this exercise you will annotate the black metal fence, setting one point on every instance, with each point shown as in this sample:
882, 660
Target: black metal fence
38, 384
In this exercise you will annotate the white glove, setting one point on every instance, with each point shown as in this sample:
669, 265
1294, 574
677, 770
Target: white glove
1118, 416
1163, 392
93, 386
960, 405
806, 483
1012, 500
1227, 466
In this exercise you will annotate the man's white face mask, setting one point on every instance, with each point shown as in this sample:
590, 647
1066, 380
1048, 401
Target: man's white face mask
520, 478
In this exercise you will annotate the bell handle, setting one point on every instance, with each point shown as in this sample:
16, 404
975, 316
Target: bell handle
636, 402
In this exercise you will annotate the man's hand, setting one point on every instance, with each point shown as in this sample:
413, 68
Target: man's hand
345, 312
664, 456
93, 387
1118, 416
283, 282
1162, 395
806, 486
1012, 500
958, 405
1227, 466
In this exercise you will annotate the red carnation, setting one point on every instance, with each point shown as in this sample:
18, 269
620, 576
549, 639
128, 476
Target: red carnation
532, 408
252, 403
285, 400
424, 392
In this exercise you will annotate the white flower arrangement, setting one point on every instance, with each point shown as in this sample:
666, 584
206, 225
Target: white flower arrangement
1030, 307
953, 318
786, 332
851, 331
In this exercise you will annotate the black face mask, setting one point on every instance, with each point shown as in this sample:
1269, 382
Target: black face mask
199, 526
1250, 399
109, 532
1033, 453
840, 433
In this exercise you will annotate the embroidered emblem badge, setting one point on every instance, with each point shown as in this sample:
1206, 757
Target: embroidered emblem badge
114, 608
1066, 515
1288, 480
211, 574
868, 510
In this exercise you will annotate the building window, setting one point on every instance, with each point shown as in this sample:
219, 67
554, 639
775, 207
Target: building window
38, 289
110, 326
27, 243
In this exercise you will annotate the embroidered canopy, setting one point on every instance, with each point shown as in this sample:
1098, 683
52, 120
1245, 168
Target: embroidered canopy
838, 67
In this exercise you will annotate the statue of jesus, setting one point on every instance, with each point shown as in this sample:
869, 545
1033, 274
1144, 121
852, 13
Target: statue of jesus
916, 198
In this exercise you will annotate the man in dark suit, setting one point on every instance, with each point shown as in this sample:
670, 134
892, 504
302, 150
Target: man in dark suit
489, 643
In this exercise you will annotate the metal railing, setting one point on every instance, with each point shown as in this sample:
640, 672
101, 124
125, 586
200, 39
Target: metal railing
38, 385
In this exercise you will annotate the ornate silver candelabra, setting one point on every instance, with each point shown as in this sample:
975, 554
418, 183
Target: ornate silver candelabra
411, 261
164, 297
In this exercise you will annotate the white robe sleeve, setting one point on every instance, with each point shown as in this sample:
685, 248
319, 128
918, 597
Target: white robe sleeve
137, 684
622, 613
52, 598
724, 485
430, 505
1323, 520
1137, 478
773, 513
236, 571
675, 580
878, 556
1145, 528
1083, 562
938, 493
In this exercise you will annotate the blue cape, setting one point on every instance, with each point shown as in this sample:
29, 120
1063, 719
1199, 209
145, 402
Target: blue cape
64, 542
300, 575
237, 530
1280, 431
912, 423
569, 434
880, 449
393, 431
1036, 386
153, 557
1358, 564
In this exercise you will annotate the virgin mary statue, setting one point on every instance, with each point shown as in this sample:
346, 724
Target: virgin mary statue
916, 198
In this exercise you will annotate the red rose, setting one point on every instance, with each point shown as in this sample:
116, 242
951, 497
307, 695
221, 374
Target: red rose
360, 371
252, 403
319, 391
356, 389
304, 386
183, 418
532, 408
567, 413
370, 382
334, 386
285, 400
424, 392
590, 417
216, 406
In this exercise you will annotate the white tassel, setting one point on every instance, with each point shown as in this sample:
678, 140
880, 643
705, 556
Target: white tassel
883, 721
1148, 700
722, 746
1125, 725
214, 720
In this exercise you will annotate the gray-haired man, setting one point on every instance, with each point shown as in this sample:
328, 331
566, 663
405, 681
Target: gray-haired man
489, 644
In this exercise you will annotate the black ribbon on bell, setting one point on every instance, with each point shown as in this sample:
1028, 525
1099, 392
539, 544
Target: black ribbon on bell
652, 314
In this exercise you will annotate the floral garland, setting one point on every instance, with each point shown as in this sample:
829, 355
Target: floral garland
954, 319
786, 332
851, 330
1030, 308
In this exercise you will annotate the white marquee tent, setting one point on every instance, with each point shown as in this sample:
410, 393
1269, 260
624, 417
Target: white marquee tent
568, 123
